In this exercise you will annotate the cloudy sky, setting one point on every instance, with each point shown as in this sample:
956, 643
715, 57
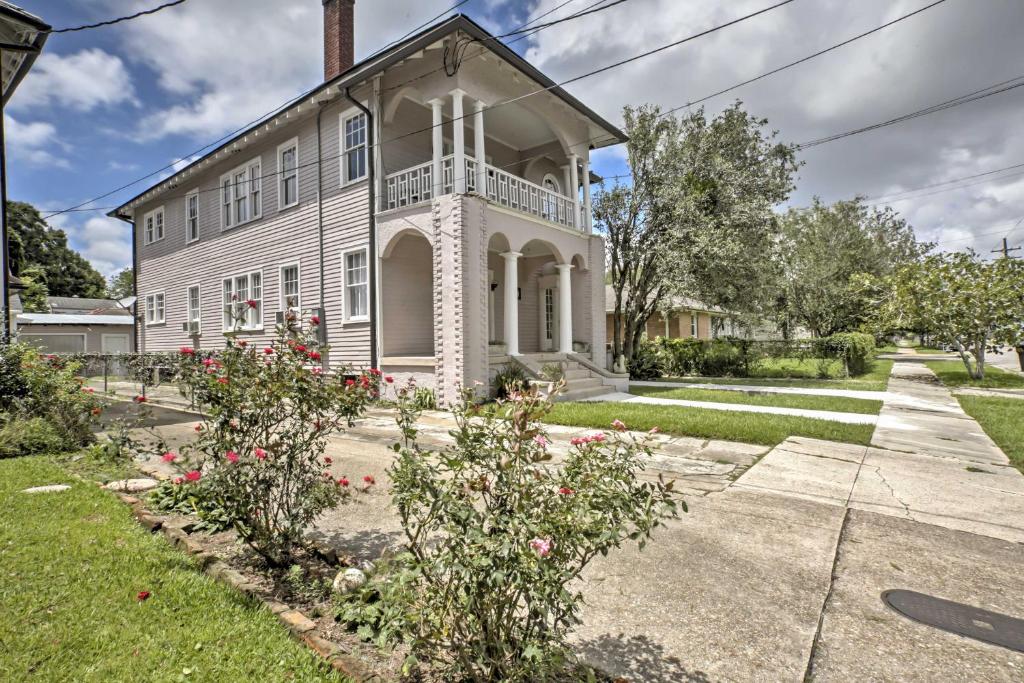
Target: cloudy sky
105, 107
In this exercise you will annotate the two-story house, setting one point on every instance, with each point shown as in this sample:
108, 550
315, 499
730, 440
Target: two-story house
431, 203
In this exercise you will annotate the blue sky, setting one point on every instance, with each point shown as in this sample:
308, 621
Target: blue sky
106, 106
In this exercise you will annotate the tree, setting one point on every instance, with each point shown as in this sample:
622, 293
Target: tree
973, 305
824, 247
697, 219
34, 243
33, 297
122, 284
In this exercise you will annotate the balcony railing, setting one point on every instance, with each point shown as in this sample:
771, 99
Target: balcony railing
414, 185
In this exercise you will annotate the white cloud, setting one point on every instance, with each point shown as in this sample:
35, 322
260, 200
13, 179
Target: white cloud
28, 142
106, 242
82, 81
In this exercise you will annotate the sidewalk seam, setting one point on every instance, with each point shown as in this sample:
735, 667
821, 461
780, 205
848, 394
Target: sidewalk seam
809, 671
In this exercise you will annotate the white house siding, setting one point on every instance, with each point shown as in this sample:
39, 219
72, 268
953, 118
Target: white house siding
280, 237
407, 298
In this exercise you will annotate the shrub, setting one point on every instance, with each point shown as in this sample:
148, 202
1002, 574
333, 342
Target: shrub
268, 413
45, 386
552, 372
30, 437
425, 398
499, 536
512, 377
682, 356
855, 349
647, 362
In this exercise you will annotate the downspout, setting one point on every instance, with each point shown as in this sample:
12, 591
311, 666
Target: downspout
134, 308
372, 256
5, 286
320, 219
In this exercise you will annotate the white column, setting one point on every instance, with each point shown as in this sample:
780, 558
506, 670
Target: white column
564, 308
438, 147
512, 301
479, 146
588, 218
490, 307
459, 142
574, 189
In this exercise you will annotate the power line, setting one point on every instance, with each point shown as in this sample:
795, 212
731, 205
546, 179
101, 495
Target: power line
948, 182
1006, 249
426, 23
118, 20
948, 104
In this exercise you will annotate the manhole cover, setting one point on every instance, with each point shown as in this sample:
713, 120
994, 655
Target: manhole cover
965, 620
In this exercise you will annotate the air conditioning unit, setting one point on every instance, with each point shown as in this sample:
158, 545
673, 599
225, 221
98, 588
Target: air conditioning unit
191, 327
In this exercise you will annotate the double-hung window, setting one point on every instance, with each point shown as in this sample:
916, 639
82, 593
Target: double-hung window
241, 194
355, 267
290, 299
353, 148
153, 223
288, 174
243, 301
195, 311
155, 309
693, 324
192, 216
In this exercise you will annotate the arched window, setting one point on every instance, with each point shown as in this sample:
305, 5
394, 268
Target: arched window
549, 204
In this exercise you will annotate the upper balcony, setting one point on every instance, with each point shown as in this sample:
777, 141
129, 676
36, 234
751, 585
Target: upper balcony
527, 156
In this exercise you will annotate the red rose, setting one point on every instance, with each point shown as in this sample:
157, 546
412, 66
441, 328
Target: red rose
222, 380
343, 482
194, 475
327, 459
252, 303
268, 350
314, 355
300, 347
314, 320
187, 350
140, 399
389, 379
369, 480
142, 596
566, 491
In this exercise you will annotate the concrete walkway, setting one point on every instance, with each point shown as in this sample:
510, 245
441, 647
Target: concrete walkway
832, 416
759, 389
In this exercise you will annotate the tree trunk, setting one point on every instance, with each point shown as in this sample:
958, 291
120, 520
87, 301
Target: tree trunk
1020, 357
979, 361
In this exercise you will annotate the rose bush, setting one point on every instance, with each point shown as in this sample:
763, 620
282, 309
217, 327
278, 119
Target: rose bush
267, 415
499, 534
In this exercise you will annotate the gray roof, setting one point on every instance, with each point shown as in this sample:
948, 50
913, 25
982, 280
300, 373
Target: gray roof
377, 63
69, 319
679, 303
74, 303
23, 34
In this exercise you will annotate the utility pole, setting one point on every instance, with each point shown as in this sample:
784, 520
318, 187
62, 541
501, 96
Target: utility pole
1006, 249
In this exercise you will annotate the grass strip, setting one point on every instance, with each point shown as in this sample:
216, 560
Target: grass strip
837, 404
1003, 420
954, 374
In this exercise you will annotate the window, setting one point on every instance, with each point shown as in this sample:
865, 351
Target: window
154, 225
155, 309
192, 216
290, 287
693, 324
241, 194
353, 150
195, 311
288, 169
239, 291
355, 264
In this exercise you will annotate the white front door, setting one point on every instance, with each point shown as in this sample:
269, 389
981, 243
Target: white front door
116, 343
549, 318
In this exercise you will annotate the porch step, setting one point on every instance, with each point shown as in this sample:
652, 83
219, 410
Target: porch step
580, 394
583, 383
577, 373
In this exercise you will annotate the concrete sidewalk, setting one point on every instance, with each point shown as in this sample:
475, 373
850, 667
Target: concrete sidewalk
764, 389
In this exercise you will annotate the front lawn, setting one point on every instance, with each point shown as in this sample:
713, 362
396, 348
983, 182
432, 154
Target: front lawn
875, 379
954, 374
1003, 420
728, 425
73, 565
841, 405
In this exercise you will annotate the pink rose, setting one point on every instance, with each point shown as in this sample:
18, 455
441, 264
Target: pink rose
566, 491
315, 355
251, 303
369, 480
343, 482
207, 362
542, 546
314, 320
178, 481
222, 380
389, 379
268, 350
541, 441
194, 475
619, 425
260, 454
140, 399
654, 430
231, 456
187, 350
169, 457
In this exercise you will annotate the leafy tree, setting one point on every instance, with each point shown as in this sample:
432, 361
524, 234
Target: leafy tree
973, 305
33, 297
34, 243
122, 284
697, 219
824, 247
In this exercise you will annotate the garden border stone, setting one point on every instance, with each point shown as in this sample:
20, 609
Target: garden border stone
301, 627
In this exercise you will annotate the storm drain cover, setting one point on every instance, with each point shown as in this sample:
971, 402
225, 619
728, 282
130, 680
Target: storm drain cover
955, 617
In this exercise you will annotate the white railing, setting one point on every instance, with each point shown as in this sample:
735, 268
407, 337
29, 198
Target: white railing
415, 185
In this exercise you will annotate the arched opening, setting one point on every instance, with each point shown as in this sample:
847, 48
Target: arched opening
407, 297
540, 318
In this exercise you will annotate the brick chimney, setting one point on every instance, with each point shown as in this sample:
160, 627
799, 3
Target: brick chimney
339, 39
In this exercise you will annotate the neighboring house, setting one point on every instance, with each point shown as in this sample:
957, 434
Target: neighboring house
22, 36
435, 214
75, 325
686, 318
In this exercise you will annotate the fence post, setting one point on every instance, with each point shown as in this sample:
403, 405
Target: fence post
105, 368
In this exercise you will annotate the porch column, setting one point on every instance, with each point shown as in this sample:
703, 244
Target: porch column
459, 142
437, 148
512, 301
564, 308
479, 148
588, 218
574, 189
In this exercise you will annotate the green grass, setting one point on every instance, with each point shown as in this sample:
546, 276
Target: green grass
842, 405
876, 379
72, 565
954, 374
769, 430
928, 350
1003, 420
